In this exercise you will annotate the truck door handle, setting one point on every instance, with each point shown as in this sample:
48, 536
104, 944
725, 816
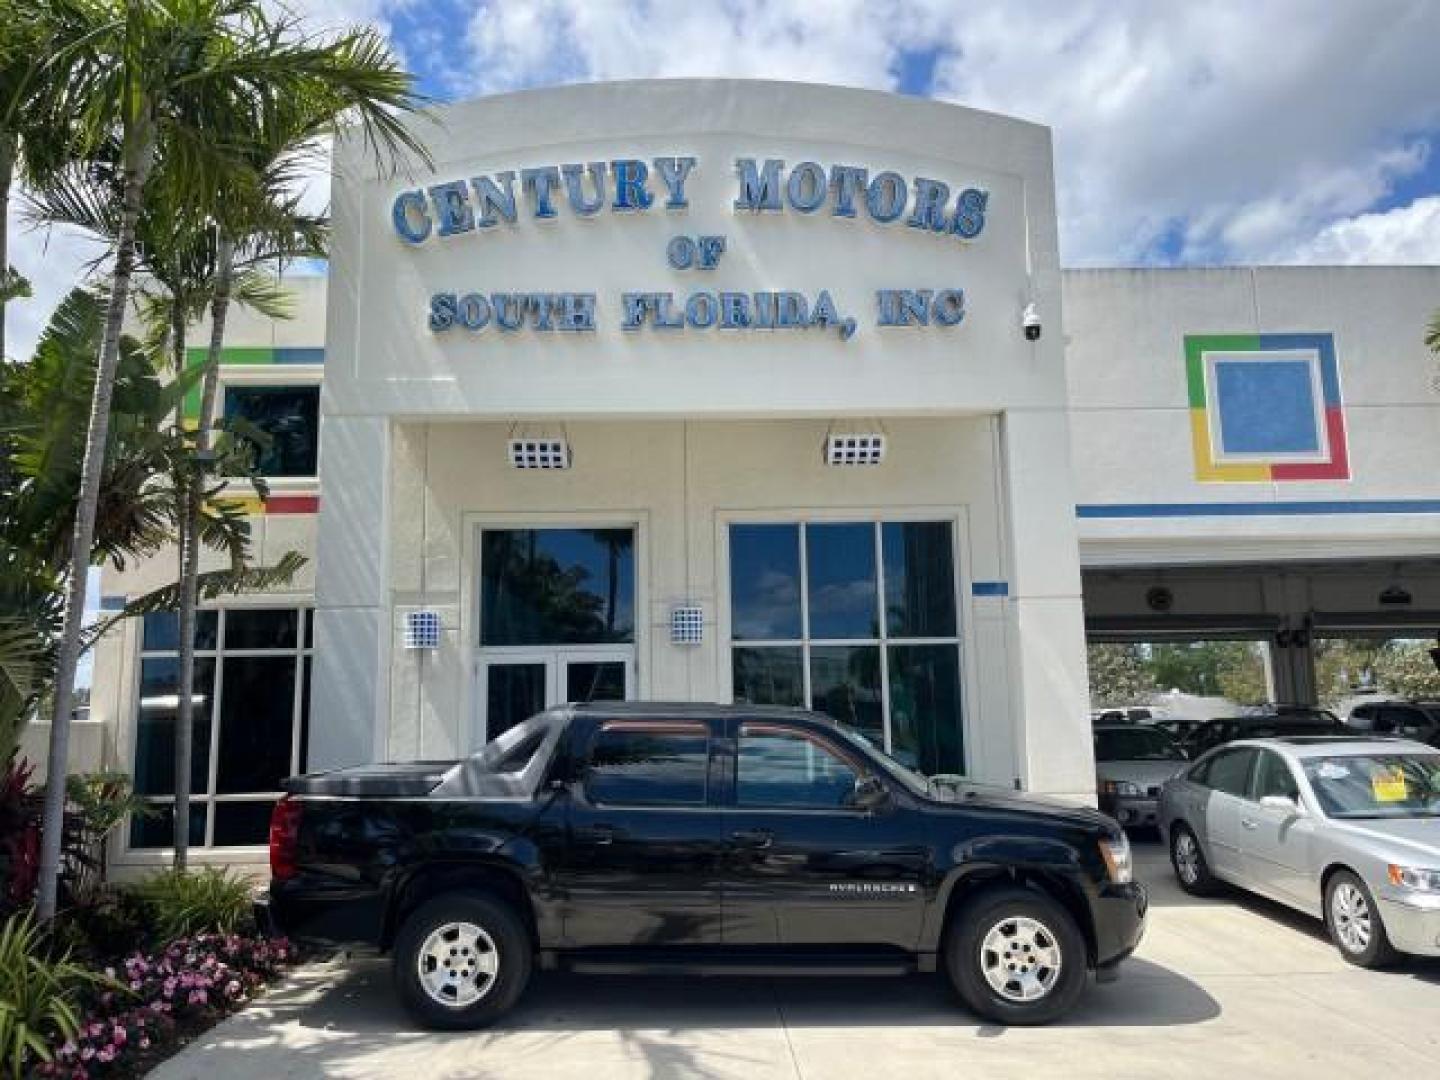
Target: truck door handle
1249, 823
753, 838
596, 834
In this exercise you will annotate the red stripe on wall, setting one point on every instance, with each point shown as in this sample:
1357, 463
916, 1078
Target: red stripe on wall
292, 504
1337, 468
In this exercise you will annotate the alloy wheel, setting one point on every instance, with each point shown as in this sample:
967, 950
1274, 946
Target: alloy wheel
1020, 958
1187, 858
457, 964
1350, 915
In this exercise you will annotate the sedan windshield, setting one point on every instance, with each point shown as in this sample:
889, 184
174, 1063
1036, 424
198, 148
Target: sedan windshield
1376, 785
1136, 744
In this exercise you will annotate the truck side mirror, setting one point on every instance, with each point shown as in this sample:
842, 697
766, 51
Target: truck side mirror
870, 793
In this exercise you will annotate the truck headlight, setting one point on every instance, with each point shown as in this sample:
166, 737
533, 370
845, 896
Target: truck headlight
1118, 862
1122, 788
1417, 880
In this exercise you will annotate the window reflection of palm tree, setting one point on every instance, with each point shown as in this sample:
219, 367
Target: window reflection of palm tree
530, 598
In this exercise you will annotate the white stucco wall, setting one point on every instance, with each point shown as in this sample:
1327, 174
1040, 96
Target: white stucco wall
391, 380
680, 484
1125, 361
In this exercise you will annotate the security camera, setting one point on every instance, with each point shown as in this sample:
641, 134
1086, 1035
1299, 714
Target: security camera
1030, 320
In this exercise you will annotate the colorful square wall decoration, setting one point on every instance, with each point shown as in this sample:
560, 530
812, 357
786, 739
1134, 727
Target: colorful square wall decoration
1265, 407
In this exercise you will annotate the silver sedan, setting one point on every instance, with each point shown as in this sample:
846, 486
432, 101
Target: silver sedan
1344, 829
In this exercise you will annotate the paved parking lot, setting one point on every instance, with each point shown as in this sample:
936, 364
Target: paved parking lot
1233, 987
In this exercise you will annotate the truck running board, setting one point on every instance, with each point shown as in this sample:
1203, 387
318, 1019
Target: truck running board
755, 964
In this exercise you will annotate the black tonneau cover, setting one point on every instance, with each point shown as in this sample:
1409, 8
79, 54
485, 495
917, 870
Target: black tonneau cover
378, 781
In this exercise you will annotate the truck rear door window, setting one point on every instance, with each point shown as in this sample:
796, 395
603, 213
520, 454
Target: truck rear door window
649, 765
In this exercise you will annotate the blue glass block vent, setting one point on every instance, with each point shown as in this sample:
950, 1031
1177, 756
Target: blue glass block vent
422, 630
687, 625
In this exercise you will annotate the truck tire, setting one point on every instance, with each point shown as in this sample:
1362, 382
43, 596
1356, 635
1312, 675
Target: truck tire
1353, 921
1016, 956
461, 961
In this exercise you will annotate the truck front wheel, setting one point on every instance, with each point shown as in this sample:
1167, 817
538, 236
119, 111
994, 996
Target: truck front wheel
461, 961
1016, 957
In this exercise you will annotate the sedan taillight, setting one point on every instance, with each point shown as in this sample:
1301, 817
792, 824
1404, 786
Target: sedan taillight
285, 839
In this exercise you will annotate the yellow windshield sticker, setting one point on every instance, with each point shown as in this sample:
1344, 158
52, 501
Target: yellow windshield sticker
1388, 785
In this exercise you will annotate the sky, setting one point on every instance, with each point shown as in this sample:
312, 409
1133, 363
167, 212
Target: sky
1187, 132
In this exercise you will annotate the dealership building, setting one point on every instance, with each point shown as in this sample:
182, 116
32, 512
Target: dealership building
712, 391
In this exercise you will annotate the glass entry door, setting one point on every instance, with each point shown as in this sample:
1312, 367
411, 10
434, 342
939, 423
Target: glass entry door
514, 685
556, 620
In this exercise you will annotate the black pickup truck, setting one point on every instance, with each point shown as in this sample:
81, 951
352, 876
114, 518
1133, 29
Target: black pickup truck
698, 839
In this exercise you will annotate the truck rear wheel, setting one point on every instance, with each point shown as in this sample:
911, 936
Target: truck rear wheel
461, 961
1016, 957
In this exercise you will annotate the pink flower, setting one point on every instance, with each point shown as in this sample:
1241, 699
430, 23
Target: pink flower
118, 1035
107, 1053
144, 1043
87, 1053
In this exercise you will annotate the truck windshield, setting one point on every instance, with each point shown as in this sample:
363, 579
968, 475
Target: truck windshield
1376, 785
908, 777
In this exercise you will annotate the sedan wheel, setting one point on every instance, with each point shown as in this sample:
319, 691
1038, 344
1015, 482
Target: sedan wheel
1354, 922
1188, 859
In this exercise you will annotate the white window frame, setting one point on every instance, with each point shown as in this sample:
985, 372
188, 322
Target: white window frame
128, 853
963, 638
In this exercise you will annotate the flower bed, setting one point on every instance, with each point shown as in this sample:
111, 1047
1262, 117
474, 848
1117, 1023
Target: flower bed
155, 1001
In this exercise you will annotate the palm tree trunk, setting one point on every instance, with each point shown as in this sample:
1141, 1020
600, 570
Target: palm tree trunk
139, 156
189, 556
83, 536
190, 574
7, 171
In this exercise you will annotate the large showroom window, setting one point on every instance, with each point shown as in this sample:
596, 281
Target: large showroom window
288, 417
252, 691
857, 620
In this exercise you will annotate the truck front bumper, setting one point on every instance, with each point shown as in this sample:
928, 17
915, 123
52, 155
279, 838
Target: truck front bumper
1120, 912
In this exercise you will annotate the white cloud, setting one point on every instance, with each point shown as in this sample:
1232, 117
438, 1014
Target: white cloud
1229, 131
1225, 131
1407, 234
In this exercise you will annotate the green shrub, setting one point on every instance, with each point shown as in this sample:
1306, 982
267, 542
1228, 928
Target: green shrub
111, 923
208, 900
37, 996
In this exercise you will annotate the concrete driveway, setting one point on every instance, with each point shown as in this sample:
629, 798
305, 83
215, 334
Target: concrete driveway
1234, 987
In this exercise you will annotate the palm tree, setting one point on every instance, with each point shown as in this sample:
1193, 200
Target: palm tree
180, 258
176, 77
1432, 334
42, 406
257, 220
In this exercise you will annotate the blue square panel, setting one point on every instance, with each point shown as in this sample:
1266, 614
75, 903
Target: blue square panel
1266, 407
